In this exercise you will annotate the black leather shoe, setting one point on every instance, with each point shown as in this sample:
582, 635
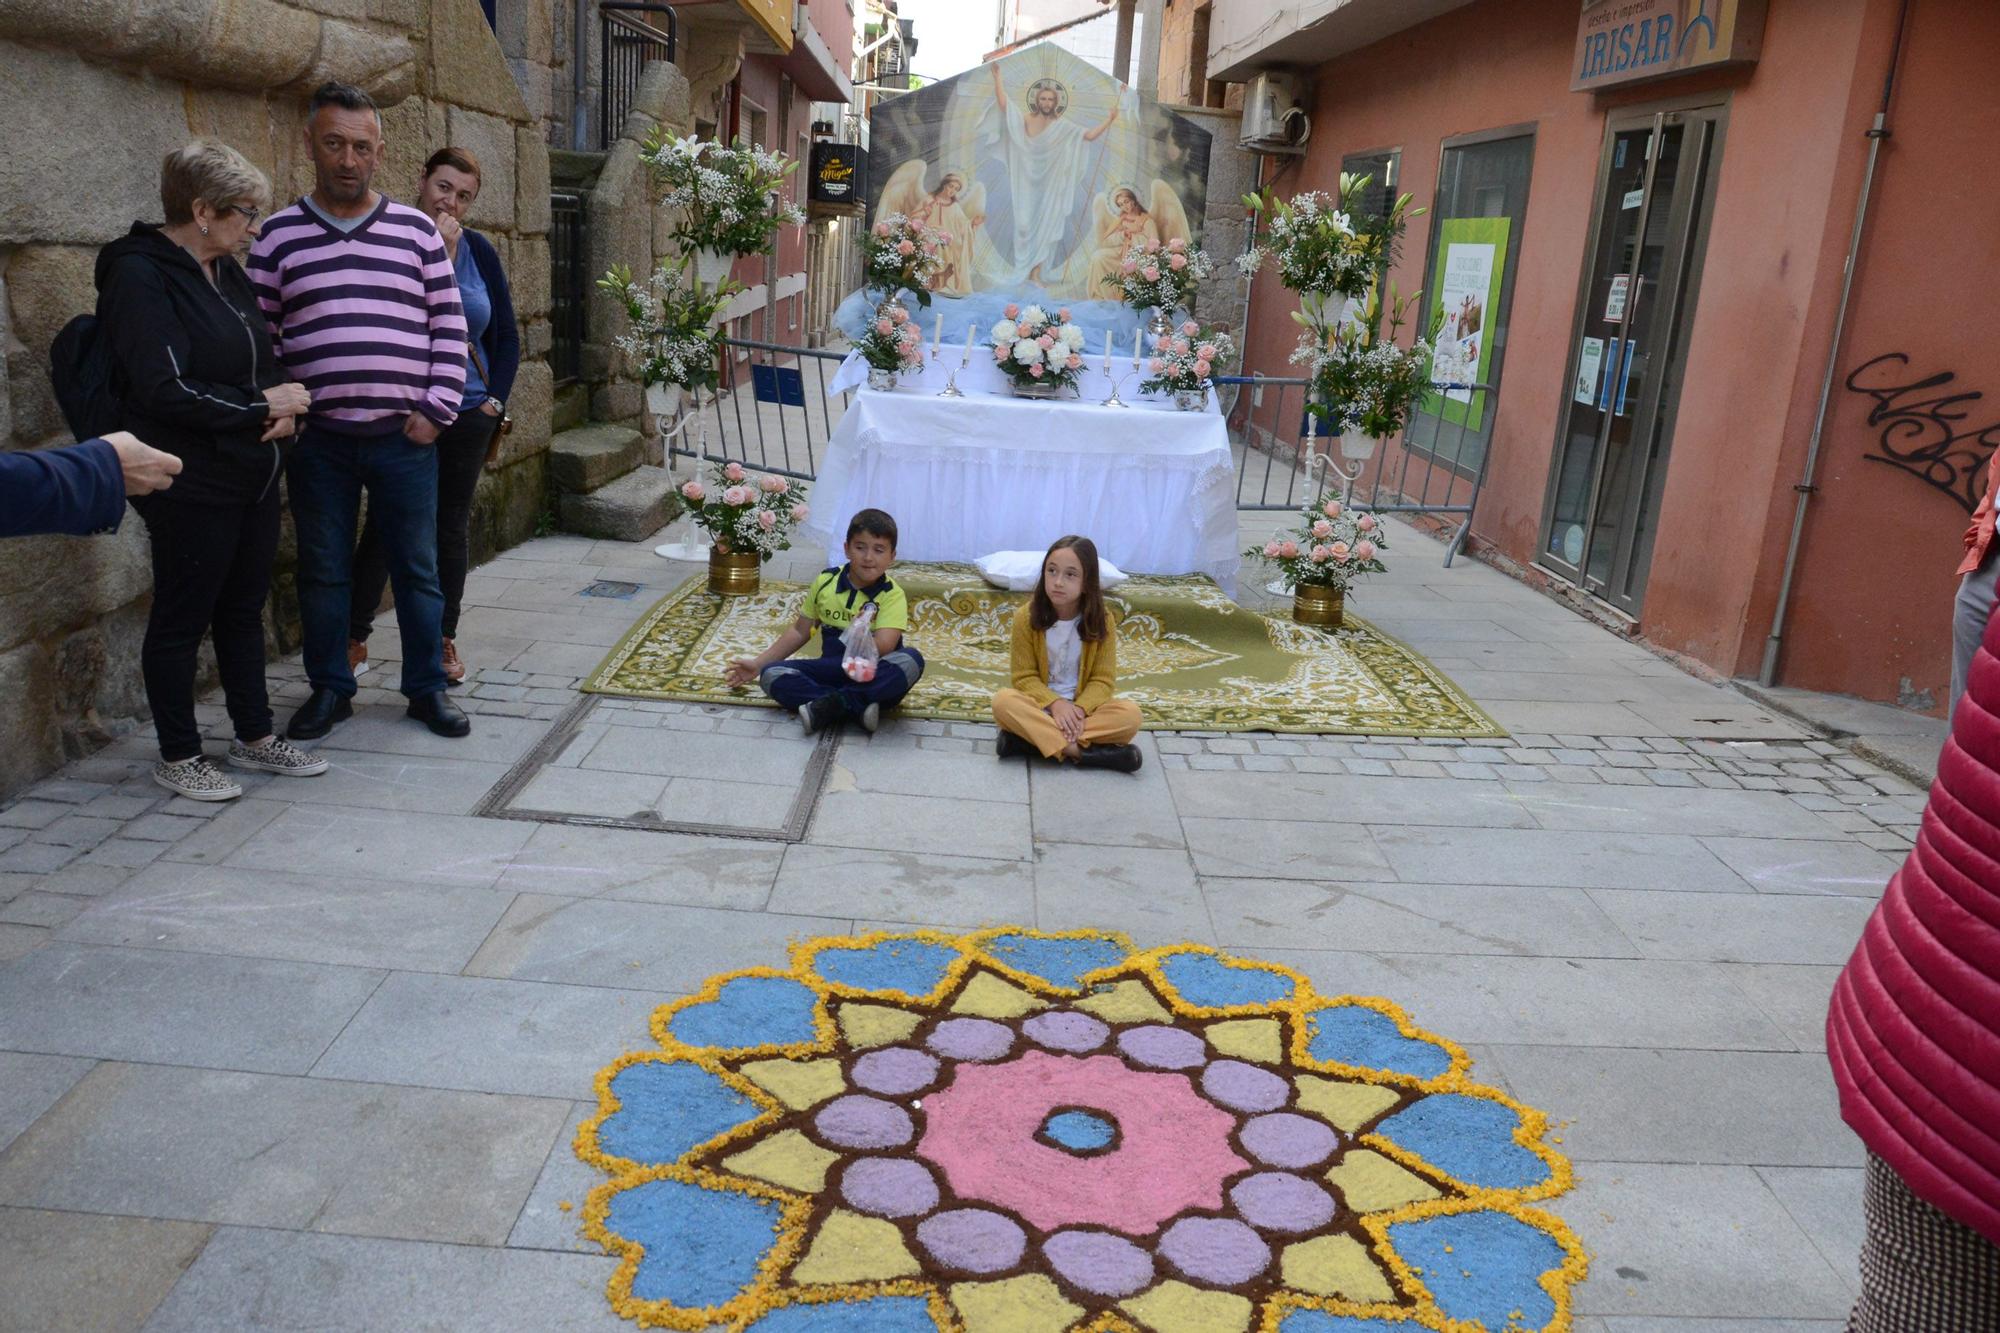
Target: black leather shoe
1117, 758
1010, 746
317, 715
441, 715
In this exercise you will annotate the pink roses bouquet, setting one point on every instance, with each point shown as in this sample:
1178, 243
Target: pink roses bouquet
893, 342
900, 254
1033, 347
741, 513
1332, 546
1183, 358
1161, 276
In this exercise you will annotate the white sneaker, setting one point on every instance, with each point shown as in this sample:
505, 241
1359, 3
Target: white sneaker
276, 755
198, 779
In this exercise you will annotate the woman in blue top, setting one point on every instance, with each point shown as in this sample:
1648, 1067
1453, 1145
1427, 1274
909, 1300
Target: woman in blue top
450, 184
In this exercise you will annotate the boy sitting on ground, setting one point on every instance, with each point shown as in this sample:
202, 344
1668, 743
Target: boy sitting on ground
819, 689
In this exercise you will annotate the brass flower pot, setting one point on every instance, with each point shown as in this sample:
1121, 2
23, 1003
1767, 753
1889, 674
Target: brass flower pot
731, 573
1322, 608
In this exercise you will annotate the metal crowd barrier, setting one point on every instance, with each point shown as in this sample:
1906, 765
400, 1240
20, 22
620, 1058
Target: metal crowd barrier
1285, 457
772, 412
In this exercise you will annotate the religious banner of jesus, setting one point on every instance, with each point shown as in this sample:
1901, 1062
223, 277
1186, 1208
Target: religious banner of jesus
1044, 171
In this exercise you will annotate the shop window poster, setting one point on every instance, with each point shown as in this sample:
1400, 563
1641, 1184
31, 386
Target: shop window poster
1471, 265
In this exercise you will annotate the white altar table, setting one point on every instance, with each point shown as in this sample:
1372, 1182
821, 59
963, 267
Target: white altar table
964, 477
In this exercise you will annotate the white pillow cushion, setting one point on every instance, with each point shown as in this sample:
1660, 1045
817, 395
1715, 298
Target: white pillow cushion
1019, 571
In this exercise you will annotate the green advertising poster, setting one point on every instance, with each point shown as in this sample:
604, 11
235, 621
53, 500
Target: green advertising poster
1471, 263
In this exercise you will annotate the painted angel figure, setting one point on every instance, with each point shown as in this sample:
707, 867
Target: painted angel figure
1122, 221
950, 208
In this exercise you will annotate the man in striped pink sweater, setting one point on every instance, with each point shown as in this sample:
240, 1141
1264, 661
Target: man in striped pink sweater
363, 306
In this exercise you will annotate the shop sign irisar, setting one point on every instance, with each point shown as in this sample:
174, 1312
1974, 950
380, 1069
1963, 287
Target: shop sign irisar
1631, 41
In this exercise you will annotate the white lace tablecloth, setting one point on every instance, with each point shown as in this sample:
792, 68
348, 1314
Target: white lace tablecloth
964, 477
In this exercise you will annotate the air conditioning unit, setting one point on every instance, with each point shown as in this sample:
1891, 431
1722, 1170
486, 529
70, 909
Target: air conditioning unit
1274, 113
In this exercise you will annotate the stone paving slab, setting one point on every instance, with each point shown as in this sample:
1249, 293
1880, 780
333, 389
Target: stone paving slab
305, 1154
81, 1273
918, 888
1755, 1108
31, 1084
307, 918
178, 1008
480, 1035
1708, 1240
1260, 914
1150, 893
579, 861
297, 1280
634, 946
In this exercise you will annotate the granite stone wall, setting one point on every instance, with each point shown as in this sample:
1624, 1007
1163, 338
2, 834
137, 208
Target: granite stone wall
153, 73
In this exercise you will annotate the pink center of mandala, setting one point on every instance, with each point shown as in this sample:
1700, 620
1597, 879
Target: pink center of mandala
1172, 1153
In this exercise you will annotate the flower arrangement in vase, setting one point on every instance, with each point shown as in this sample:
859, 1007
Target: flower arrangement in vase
1039, 353
892, 344
1320, 559
1182, 361
1161, 278
1334, 253
900, 254
746, 519
1364, 385
672, 341
731, 197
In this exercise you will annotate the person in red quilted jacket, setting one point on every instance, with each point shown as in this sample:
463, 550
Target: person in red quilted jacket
1979, 571
1913, 1035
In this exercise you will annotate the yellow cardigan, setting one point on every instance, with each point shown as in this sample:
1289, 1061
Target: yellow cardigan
1096, 675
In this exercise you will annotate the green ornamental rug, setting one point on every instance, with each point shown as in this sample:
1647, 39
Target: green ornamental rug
1188, 656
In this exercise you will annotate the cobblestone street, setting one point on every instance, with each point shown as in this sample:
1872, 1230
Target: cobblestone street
315, 1058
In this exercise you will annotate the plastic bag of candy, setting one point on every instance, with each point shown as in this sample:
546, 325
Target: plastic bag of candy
859, 657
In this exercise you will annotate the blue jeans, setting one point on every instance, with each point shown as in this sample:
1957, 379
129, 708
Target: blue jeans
797, 681
326, 474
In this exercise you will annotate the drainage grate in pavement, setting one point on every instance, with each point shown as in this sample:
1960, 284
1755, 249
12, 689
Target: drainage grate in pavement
670, 768
612, 588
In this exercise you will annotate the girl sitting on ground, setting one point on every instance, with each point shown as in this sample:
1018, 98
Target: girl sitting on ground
1065, 667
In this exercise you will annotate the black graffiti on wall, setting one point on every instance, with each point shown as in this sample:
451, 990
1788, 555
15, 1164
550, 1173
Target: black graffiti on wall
1923, 426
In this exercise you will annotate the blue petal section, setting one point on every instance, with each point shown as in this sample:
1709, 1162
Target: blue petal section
1319, 1321
749, 1011
1354, 1034
1482, 1266
913, 967
1059, 962
702, 1246
1203, 979
666, 1108
884, 1314
1467, 1137
1080, 1131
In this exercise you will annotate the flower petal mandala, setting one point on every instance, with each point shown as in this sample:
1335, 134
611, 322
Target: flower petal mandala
749, 1011
1352, 1034
1060, 960
1018, 1132
702, 1247
905, 964
1209, 981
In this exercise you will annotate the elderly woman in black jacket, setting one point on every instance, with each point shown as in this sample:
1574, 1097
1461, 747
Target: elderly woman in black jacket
493, 356
192, 365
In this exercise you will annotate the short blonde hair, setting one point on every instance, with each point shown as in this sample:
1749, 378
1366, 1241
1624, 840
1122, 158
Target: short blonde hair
213, 172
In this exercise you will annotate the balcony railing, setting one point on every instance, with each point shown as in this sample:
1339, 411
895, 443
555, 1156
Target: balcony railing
632, 36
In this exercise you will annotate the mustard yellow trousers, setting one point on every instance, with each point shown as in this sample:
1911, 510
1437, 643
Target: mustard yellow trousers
1115, 722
